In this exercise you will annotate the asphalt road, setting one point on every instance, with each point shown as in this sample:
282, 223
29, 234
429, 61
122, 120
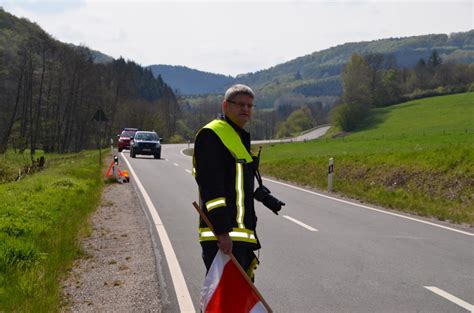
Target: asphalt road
344, 258
312, 134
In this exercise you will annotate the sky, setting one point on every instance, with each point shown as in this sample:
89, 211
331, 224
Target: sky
235, 36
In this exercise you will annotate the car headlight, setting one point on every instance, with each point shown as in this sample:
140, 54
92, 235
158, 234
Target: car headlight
158, 145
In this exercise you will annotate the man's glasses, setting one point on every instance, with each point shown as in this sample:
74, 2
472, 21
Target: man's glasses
242, 105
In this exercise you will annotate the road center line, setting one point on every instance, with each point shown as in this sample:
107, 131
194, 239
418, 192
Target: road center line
180, 287
370, 208
451, 298
176, 164
188, 171
300, 223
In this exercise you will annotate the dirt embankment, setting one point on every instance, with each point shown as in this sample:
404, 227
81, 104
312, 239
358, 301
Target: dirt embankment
117, 272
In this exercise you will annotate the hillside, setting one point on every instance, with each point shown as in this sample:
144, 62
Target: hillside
318, 74
397, 160
15, 31
97, 56
187, 81
50, 90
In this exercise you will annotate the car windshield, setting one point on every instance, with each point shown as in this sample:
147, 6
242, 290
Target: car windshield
146, 136
127, 134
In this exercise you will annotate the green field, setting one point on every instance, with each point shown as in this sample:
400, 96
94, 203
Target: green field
41, 217
416, 157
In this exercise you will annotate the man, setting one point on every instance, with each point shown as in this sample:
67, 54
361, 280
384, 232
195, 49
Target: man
224, 170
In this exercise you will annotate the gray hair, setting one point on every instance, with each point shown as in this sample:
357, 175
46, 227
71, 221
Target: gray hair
238, 89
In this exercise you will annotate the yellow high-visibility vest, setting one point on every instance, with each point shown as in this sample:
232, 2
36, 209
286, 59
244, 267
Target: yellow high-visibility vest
231, 140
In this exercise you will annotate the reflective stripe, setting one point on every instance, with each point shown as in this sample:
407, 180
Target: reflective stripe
239, 193
252, 267
205, 234
194, 165
215, 203
210, 234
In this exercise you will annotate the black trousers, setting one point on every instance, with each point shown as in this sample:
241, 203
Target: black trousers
244, 256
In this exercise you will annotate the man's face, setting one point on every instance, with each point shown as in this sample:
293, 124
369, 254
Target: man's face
239, 109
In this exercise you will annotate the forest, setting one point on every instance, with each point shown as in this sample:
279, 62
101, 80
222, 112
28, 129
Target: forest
50, 92
373, 80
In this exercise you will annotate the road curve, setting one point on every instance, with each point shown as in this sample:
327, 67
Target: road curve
310, 135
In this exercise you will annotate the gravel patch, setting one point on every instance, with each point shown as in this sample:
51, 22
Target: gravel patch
118, 270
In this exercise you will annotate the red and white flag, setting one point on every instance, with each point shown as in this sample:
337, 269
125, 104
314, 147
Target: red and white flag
226, 290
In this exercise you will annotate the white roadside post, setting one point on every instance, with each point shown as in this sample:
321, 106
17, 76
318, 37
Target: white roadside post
115, 170
111, 145
330, 173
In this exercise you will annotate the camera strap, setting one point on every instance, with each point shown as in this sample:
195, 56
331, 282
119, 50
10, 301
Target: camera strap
258, 177
256, 171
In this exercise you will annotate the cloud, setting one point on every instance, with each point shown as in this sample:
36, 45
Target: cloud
44, 7
234, 37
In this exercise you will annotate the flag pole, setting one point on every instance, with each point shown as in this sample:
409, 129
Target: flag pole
232, 257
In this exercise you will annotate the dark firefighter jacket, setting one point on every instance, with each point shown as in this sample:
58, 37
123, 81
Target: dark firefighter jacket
223, 168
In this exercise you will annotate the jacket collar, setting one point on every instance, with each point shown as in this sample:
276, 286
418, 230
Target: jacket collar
239, 130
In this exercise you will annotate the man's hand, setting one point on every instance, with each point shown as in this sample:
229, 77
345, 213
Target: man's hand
224, 243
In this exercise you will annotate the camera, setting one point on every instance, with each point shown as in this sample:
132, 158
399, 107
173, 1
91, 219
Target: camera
263, 194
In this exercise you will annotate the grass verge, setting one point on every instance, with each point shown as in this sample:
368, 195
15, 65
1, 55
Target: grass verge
41, 217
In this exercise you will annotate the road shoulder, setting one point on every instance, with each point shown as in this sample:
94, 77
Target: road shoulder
118, 270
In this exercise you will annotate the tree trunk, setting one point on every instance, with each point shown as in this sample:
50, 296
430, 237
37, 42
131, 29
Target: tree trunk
35, 129
5, 138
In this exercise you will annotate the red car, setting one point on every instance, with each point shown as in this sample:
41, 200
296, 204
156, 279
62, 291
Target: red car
124, 138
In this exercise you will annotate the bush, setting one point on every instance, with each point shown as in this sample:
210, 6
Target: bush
440, 91
348, 117
298, 121
176, 139
470, 87
7, 173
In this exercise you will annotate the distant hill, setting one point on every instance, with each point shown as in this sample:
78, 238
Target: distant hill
97, 56
318, 74
188, 81
100, 57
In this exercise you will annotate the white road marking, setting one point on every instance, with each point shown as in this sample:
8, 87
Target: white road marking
182, 152
370, 208
188, 171
176, 164
451, 298
180, 287
300, 223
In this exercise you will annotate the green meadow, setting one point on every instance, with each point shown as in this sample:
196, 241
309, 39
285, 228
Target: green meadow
41, 218
416, 157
